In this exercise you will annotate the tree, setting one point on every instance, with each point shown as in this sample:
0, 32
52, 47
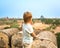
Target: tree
42, 18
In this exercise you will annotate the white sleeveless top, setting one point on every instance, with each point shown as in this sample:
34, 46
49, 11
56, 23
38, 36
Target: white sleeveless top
27, 30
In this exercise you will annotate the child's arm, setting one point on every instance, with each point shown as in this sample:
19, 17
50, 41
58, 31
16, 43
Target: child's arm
33, 35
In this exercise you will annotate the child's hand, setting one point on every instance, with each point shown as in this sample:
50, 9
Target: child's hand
36, 38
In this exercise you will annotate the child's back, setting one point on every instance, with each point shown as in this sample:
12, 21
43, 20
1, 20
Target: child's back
27, 30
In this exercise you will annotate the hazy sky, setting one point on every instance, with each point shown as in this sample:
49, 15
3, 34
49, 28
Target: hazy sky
16, 8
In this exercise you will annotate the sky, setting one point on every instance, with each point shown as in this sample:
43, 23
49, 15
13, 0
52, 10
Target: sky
16, 8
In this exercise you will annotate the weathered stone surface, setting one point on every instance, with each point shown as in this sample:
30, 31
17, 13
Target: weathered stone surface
5, 36
17, 40
46, 40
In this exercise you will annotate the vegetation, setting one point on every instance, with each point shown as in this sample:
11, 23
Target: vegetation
51, 21
14, 25
54, 23
51, 27
7, 22
12, 22
58, 39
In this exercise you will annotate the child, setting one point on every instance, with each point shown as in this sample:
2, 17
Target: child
28, 32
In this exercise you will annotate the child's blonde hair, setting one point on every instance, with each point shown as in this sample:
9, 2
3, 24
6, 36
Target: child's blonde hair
27, 16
